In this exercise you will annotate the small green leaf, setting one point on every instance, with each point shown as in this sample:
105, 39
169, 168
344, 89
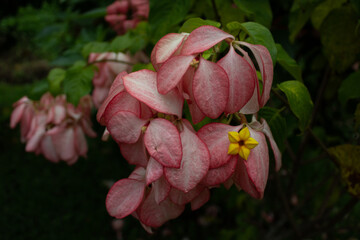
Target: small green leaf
95, 13
194, 23
130, 41
95, 47
55, 78
348, 159
299, 101
78, 82
140, 66
256, 10
288, 63
277, 124
349, 88
261, 35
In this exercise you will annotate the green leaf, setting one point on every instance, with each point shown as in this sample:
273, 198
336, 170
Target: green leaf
261, 35
228, 12
165, 15
130, 41
347, 157
140, 66
300, 13
277, 124
95, 47
288, 63
95, 13
349, 88
78, 81
55, 77
194, 23
256, 10
340, 38
323, 9
299, 101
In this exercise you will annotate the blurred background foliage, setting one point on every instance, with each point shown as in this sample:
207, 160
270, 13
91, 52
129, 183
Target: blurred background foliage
314, 196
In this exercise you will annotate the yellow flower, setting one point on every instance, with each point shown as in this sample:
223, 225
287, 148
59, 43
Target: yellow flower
241, 143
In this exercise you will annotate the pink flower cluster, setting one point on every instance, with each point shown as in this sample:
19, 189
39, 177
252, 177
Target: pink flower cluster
123, 15
54, 127
176, 165
109, 65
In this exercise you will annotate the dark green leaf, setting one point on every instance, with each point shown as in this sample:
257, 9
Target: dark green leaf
256, 10
165, 15
95, 13
229, 12
78, 82
261, 35
349, 88
300, 13
194, 23
299, 100
55, 78
277, 124
340, 38
288, 63
323, 9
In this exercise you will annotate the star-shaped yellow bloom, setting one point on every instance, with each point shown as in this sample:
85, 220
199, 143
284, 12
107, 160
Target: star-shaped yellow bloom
241, 143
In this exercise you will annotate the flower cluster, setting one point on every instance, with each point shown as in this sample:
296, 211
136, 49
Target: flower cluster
176, 165
123, 15
54, 127
109, 65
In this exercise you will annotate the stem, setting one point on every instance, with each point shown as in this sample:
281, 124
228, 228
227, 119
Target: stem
217, 16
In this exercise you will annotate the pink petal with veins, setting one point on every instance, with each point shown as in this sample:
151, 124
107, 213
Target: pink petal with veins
211, 88
154, 171
142, 86
125, 127
162, 140
135, 153
194, 163
215, 136
219, 175
200, 200
155, 215
241, 80
203, 38
124, 197
171, 72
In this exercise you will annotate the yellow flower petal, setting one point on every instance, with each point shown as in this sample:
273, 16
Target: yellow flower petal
244, 134
251, 143
234, 137
233, 148
244, 152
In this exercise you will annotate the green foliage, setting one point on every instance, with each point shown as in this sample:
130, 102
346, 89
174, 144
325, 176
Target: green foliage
299, 101
55, 78
78, 82
165, 15
300, 13
140, 66
258, 34
347, 156
277, 124
256, 10
349, 88
340, 37
194, 23
288, 63
323, 9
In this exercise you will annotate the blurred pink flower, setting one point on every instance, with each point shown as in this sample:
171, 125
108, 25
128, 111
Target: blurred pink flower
53, 127
109, 65
123, 15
